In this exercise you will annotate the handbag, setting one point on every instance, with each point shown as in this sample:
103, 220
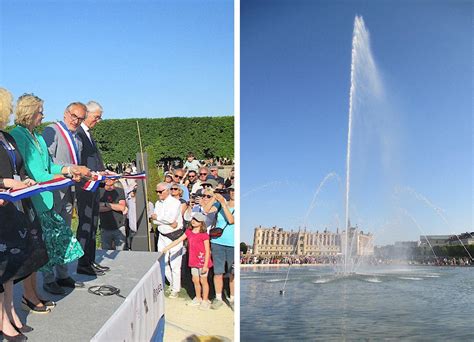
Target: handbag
216, 232
174, 235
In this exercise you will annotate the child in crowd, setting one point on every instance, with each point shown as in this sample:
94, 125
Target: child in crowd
191, 163
199, 258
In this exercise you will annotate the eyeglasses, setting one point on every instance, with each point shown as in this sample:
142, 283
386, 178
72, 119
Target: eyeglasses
203, 174
160, 191
41, 113
180, 177
213, 170
75, 117
191, 176
174, 189
208, 196
207, 186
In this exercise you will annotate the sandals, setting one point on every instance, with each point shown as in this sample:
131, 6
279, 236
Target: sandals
29, 306
48, 303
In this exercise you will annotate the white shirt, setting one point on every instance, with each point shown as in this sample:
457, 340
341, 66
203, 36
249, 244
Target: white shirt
132, 213
167, 212
86, 129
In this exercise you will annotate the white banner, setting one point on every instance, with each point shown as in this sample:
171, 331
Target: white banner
138, 316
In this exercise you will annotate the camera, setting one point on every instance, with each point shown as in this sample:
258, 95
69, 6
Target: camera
220, 191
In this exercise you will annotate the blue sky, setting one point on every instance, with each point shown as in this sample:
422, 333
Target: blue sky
295, 79
137, 58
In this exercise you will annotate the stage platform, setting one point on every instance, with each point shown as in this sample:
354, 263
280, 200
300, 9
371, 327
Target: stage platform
79, 315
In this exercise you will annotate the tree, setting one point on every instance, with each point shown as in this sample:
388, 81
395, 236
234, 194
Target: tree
243, 248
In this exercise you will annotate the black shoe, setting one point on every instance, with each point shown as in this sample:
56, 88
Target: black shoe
69, 282
24, 329
100, 267
49, 303
88, 270
53, 288
16, 338
29, 306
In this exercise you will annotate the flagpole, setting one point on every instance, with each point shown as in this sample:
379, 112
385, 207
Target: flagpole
146, 189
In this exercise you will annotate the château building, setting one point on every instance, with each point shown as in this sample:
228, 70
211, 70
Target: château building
278, 242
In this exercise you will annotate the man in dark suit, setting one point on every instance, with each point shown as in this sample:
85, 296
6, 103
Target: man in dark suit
88, 201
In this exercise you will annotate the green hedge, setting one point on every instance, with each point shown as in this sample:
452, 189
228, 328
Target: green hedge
165, 138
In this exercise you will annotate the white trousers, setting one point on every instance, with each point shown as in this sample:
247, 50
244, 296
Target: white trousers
172, 262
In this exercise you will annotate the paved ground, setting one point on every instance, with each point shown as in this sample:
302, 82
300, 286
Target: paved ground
187, 323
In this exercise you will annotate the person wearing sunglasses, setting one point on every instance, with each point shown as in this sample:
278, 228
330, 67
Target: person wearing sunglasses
178, 177
177, 192
203, 174
167, 216
230, 180
191, 179
214, 173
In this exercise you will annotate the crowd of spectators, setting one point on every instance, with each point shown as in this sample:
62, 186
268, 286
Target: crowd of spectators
194, 229
294, 260
328, 260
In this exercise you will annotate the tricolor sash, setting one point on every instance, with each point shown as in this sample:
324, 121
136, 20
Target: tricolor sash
70, 142
54, 184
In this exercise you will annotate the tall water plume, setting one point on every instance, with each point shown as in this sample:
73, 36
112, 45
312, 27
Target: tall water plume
364, 80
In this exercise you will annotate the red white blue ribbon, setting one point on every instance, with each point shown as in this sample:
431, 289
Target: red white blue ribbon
70, 142
54, 184
93, 184
59, 183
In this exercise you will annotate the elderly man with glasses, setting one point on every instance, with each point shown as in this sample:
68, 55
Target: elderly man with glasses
64, 146
167, 216
214, 170
202, 177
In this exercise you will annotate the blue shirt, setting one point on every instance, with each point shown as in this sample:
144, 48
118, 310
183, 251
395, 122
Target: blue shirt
227, 237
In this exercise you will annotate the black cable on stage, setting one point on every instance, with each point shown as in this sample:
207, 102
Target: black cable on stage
105, 290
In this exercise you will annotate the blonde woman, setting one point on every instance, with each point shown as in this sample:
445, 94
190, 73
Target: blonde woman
177, 192
62, 246
22, 249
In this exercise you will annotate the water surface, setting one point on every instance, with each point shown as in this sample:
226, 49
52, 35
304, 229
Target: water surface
381, 303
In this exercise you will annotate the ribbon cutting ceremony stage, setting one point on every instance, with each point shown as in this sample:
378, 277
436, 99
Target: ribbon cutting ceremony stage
82, 316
